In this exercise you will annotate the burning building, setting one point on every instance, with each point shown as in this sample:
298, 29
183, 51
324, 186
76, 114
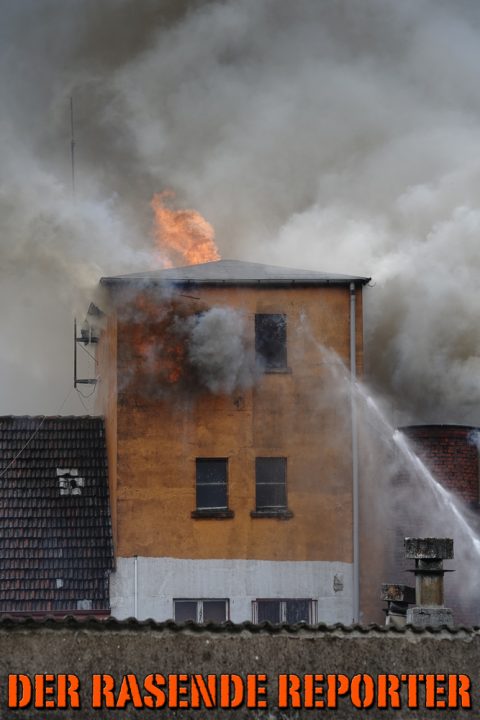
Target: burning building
230, 470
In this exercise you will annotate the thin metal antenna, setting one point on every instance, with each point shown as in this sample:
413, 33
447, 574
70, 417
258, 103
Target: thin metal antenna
72, 145
84, 340
75, 353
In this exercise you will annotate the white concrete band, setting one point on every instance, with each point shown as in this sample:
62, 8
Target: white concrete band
159, 580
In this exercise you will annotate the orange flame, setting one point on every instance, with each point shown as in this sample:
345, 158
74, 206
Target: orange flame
183, 236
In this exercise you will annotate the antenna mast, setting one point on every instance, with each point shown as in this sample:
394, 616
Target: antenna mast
72, 145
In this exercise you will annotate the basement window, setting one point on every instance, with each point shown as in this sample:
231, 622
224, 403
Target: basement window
289, 611
201, 611
211, 488
271, 488
271, 341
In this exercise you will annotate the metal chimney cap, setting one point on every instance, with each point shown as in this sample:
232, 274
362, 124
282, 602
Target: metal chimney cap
429, 548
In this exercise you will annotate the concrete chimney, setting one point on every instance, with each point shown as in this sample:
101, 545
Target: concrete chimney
429, 554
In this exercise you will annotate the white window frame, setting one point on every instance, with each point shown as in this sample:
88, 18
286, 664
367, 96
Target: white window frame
222, 484
312, 608
200, 602
278, 483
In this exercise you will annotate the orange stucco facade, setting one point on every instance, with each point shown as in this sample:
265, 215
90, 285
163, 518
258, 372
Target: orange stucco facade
159, 421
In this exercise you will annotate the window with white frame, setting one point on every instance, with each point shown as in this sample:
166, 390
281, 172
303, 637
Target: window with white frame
211, 483
200, 610
270, 484
289, 610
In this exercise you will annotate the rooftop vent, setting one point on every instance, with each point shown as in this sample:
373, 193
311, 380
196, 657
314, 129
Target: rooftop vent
69, 482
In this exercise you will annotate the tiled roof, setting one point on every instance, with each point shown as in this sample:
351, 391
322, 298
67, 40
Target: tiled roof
235, 272
55, 532
130, 625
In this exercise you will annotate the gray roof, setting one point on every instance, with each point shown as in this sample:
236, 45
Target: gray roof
235, 272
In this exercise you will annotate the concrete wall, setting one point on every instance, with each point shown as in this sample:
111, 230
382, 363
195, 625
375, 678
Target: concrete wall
118, 649
160, 580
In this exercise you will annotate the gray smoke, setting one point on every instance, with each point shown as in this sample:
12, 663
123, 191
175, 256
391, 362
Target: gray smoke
474, 439
333, 135
219, 351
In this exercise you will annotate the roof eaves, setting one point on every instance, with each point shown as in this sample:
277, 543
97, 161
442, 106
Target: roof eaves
221, 282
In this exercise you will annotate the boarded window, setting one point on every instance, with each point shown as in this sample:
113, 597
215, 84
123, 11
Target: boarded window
271, 340
202, 611
212, 484
289, 611
271, 483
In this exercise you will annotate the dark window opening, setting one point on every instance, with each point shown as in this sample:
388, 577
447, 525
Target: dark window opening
185, 610
271, 484
284, 611
271, 341
297, 611
201, 611
268, 610
211, 484
214, 611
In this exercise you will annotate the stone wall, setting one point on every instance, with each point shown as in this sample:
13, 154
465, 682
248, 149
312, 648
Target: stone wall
111, 647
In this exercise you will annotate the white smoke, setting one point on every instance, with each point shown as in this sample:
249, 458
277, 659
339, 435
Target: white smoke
336, 136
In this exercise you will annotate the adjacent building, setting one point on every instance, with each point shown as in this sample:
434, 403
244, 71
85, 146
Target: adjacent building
56, 550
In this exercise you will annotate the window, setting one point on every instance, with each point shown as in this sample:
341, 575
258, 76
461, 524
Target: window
211, 488
271, 487
271, 341
201, 611
289, 611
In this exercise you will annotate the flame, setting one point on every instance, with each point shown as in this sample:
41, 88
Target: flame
183, 236
157, 350
177, 357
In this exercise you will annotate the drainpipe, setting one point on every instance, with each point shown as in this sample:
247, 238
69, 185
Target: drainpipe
353, 377
135, 586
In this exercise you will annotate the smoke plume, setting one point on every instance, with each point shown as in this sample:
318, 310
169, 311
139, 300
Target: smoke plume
333, 135
219, 352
